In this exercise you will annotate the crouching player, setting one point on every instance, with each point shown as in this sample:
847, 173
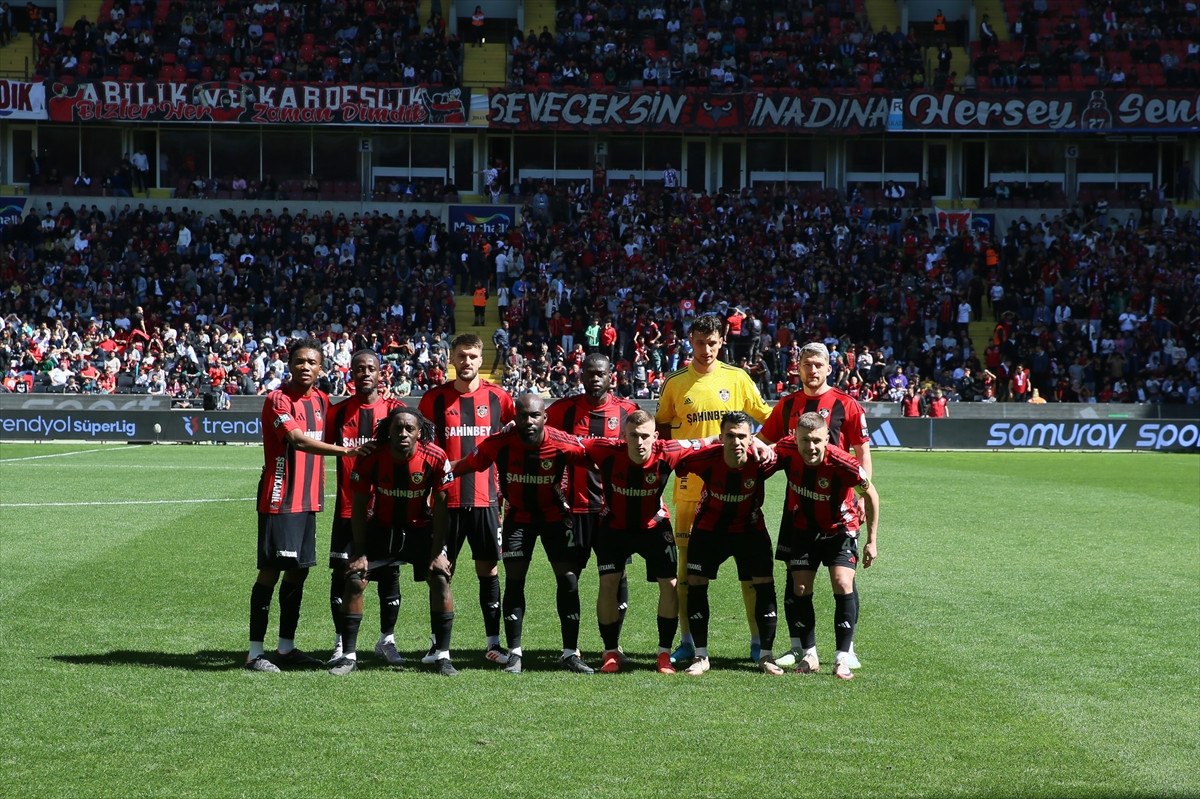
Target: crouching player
821, 527
634, 472
729, 523
397, 482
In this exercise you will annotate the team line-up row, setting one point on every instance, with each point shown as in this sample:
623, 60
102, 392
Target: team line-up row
586, 474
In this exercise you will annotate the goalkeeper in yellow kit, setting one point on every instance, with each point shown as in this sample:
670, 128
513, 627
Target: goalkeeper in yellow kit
692, 403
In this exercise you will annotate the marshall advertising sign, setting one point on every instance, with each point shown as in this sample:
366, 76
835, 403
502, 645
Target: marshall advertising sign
256, 103
786, 111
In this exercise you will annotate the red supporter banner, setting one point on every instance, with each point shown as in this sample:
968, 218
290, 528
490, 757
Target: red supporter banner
696, 111
256, 103
790, 111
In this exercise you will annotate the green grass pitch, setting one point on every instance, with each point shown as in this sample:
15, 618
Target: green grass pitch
1032, 628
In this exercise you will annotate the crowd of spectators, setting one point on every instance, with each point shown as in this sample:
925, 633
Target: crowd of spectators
728, 45
1086, 44
347, 41
1092, 306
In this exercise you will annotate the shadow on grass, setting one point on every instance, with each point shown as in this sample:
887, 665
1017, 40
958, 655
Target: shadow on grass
204, 660
537, 660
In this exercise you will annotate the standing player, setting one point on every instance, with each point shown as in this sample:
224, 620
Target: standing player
396, 484
729, 523
821, 502
531, 460
693, 402
847, 424
633, 474
290, 493
353, 422
464, 411
595, 413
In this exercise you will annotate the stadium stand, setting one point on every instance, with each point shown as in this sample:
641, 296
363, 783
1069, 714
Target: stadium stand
364, 41
1099, 306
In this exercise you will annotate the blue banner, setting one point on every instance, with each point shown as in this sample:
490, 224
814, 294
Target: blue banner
490, 220
11, 209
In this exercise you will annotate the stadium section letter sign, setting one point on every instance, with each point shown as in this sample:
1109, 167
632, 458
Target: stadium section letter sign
256, 103
21, 100
695, 111
1079, 112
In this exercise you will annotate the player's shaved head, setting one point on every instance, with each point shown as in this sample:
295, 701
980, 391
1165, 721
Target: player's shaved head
531, 418
530, 402
597, 361
638, 418
809, 421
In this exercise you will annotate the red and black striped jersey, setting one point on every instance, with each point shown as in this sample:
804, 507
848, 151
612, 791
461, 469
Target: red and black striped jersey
822, 498
401, 487
633, 492
577, 416
292, 481
351, 424
461, 422
732, 499
842, 413
530, 476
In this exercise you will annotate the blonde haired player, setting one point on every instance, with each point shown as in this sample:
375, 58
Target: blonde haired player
693, 401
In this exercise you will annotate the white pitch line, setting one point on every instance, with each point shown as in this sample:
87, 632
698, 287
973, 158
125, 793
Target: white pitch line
121, 502
172, 467
62, 454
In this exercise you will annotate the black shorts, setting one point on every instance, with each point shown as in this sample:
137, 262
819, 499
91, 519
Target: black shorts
750, 551
385, 545
388, 547
587, 533
558, 538
341, 542
806, 551
287, 540
478, 526
656, 546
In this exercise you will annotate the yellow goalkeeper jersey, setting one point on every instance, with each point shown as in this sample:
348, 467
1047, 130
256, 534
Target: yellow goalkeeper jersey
693, 405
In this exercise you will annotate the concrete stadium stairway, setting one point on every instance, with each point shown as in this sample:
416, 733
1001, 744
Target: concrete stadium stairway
17, 57
883, 12
486, 65
540, 14
981, 333
996, 16
88, 9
